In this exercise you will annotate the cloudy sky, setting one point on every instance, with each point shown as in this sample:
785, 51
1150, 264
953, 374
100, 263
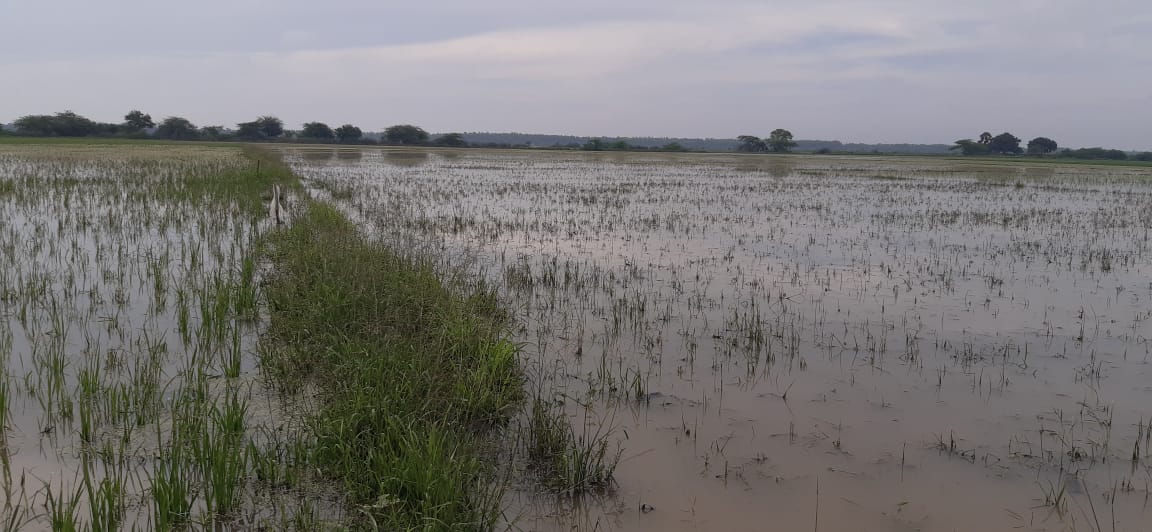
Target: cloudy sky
1078, 71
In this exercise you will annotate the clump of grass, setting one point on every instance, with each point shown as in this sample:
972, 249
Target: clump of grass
569, 463
411, 373
61, 508
106, 501
221, 456
172, 493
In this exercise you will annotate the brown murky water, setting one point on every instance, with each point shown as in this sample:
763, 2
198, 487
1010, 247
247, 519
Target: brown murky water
115, 263
809, 343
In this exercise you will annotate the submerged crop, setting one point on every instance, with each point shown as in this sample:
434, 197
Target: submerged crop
879, 342
125, 319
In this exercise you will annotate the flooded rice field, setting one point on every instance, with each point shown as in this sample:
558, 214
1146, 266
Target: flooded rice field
128, 324
803, 342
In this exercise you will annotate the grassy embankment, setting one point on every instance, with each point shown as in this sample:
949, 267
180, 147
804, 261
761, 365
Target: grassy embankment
410, 373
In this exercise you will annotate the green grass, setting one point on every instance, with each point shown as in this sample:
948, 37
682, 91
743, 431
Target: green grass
15, 139
411, 373
172, 494
568, 462
61, 507
148, 233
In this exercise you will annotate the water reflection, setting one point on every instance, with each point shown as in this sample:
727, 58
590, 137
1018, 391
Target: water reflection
407, 159
317, 155
349, 154
775, 166
1039, 172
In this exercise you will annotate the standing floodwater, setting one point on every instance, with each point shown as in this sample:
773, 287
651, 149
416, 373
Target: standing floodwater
799, 342
129, 318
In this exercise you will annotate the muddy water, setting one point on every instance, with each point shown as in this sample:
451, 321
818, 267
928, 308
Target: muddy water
106, 254
800, 342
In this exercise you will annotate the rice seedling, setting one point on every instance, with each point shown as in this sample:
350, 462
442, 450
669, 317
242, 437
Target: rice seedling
172, 492
106, 495
570, 462
61, 507
104, 240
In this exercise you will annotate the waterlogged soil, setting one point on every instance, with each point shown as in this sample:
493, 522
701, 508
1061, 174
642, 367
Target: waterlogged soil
802, 342
115, 266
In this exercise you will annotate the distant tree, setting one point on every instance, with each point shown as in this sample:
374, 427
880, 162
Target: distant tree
780, 140
619, 145
1095, 153
34, 125
136, 121
593, 145
105, 128
1041, 146
1145, 156
970, 147
175, 127
985, 138
264, 127
249, 130
348, 133
65, 124
454, 140
1005, 144
405, 134
73, 125
211, 132
751, 144
270, 126
673, 146
317, 130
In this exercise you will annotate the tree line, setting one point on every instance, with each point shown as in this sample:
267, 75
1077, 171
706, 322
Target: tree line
1009, 144
778, 141
138, 124
781, 141
599, 144
1003, 144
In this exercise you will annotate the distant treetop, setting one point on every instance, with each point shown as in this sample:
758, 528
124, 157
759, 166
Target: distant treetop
137, 120
264, 127
405, 134
348, 133
318, 131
